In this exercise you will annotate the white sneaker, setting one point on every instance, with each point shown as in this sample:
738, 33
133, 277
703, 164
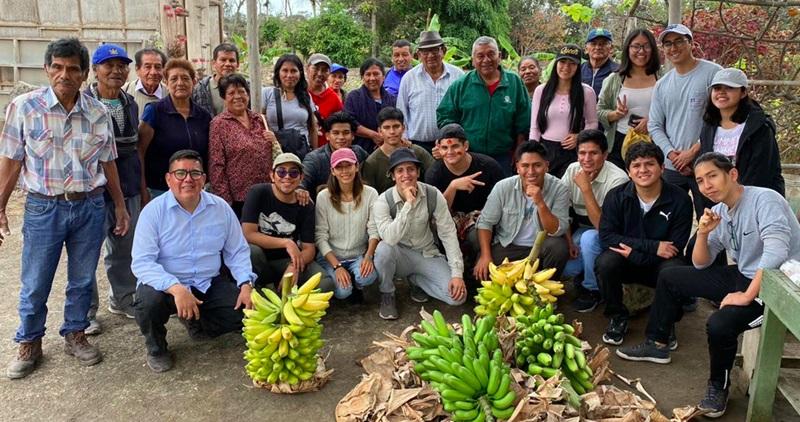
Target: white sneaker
94, 328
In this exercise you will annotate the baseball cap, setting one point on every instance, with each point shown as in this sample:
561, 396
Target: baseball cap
343, 155
109, 51
317, 58
452, 130
402, 155
336, 67
569, 52
598, 33
675, 28
286, 157
731, 77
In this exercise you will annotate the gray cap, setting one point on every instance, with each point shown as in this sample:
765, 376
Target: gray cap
731, 77
287, 157
317, 58
675, 28
452, 130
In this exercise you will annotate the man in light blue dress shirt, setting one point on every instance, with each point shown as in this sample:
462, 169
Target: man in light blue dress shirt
181, 242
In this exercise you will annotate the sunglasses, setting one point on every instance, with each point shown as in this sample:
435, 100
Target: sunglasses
181, 174
282, 172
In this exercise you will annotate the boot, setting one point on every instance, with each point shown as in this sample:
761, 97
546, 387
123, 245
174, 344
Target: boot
28, 357
76, 344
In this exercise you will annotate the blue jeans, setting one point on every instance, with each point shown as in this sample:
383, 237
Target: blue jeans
354, 267
588, 241
48, 226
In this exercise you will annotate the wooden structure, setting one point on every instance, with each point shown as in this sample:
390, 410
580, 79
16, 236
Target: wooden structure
190, 27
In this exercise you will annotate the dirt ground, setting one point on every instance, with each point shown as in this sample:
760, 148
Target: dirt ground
209, 382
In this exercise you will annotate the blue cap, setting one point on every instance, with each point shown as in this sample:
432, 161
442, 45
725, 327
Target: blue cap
597, 33
109, 51
336, 67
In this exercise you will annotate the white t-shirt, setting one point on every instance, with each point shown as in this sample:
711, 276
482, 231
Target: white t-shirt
527, 233
638, 102
726, 141
646, 206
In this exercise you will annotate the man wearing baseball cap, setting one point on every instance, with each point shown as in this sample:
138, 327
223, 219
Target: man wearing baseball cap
110, 66
599, 46
279, 229
676, 112
326, 100
336, 80
405, 216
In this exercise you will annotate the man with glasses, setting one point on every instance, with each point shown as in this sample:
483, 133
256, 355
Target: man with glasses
599, 48
758, 230
279, 229
490, 103
676, 112
422, 88
188, 251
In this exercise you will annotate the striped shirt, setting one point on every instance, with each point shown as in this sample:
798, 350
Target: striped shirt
61, 151
419, 96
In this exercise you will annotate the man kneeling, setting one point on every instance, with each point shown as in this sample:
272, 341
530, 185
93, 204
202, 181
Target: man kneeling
404, 215
758, 230
181, 239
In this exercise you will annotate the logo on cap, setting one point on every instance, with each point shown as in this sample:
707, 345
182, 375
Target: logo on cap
113, 51
570, 50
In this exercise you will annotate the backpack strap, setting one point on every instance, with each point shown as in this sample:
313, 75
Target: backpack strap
430, 200
278, 108
392, 205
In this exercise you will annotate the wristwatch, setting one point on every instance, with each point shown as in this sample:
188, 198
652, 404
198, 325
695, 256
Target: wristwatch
337, 266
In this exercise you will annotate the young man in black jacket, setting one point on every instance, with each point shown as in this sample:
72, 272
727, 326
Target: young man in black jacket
643, 229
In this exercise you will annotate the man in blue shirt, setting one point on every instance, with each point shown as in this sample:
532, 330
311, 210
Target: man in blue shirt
598, 48
181, 241
401, 63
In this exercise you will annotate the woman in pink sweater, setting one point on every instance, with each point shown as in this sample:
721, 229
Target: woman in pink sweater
561, 108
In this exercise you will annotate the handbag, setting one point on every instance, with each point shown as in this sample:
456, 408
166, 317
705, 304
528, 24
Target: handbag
291, 140
633, 137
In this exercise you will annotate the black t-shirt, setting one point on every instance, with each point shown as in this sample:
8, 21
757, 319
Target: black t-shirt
440, 176
278, 219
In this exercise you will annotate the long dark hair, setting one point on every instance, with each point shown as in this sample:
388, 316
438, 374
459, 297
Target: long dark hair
713, 117
300, 90
335, 190
575, 102
626, 65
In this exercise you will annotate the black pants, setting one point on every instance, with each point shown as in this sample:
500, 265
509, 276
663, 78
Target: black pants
554, 253
723, 327
615, 154
217, 316
613, 270
559, 157
428, 146
688, 184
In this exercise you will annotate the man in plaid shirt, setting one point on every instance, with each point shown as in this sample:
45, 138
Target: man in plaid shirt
60, 144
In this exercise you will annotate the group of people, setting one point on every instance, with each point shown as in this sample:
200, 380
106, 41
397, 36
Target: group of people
425, 173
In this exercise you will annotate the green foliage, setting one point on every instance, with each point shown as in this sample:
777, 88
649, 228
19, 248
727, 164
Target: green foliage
433, 25
578, 13
270, 30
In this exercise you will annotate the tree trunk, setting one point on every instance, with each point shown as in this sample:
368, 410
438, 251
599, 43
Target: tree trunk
374, 22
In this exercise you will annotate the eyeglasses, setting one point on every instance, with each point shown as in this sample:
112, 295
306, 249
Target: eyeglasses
640, 47
181, 174
282, 172
677, 43
430, 51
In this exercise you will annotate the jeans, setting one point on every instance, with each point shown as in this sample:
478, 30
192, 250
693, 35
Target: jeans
118, 259
428, 146
48, 226
588, 241
271, 271
430, 274
677, 285
353, 266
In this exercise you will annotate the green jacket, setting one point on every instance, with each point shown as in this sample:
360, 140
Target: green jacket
607, 102
492, 123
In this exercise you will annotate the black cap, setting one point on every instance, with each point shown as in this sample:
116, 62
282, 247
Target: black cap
452, 130
402, 155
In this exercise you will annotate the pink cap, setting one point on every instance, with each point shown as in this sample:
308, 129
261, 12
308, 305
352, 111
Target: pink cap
343, 154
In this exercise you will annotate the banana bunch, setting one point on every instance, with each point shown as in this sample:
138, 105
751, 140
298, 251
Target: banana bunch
516, 288
545, 345
283, 332
467, 370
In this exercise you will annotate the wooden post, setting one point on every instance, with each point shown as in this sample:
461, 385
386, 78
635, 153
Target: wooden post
254, 55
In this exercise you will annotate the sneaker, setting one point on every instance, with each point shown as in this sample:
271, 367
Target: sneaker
194, 329
615, 333
417, 294
94, 328
648, 351
586, 301
673, 340
76, 344
126, 312
715, 402
356, 297
29, 354
388, 307
690, 305
160, 363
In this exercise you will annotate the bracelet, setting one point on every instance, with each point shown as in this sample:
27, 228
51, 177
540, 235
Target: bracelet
368, 257
337, 266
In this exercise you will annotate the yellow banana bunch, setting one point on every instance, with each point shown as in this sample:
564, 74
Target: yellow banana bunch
516, 288
545, 288
283, 332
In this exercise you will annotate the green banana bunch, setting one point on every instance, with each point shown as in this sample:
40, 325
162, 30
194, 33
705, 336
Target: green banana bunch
467, 370
283, 332
545, 345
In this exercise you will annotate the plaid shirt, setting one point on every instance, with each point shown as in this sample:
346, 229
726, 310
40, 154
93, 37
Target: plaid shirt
61, 151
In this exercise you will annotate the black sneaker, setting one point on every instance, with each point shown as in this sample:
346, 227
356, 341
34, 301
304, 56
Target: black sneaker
673, 340
715, 402
690, 305
194, 329
615, 333
586, 301
356, 296
388, 308
648, 351
417, 294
